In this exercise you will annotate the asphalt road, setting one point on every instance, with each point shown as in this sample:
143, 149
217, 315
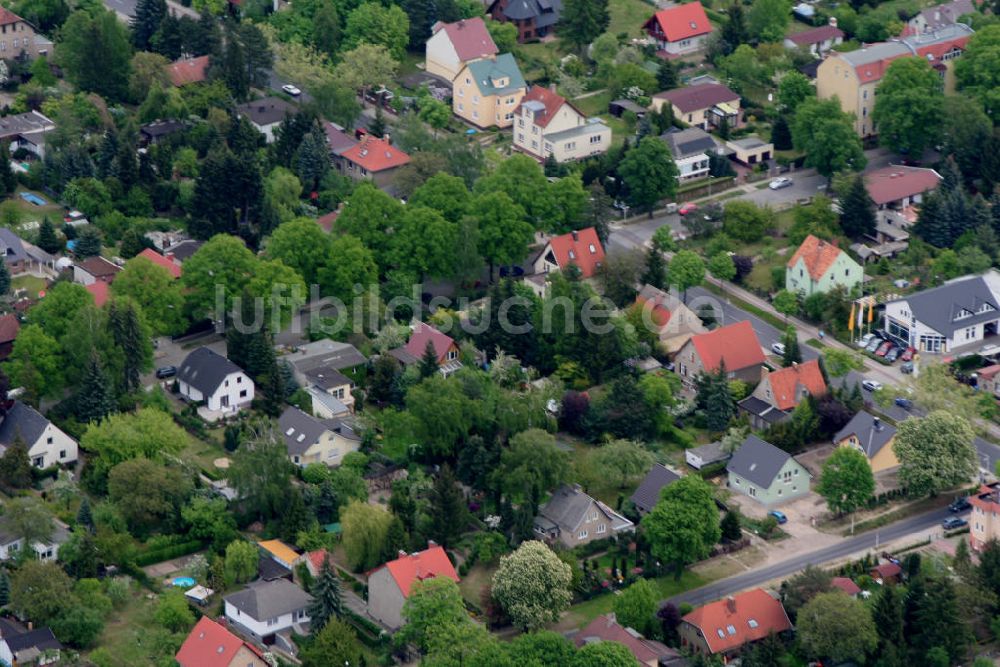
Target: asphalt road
846, 547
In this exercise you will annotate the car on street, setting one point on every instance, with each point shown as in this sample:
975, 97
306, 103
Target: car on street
907, 354
871, 385
166, 372
893, 354
907, 367
904, 403
883, 349
780, 182
778, 348
874, 344
689, 207
866, 339
780, 516
291, 90
953, 522
960, 505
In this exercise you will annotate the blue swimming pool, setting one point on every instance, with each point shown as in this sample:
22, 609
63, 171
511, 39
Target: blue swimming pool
33, 199
184, 582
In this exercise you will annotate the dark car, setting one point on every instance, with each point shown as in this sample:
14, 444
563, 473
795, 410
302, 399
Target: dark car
907, 367
893, 354
953, 522
904, 403
960, 505
166, 372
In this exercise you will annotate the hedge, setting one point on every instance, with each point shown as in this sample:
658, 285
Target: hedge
166, 553
713, 470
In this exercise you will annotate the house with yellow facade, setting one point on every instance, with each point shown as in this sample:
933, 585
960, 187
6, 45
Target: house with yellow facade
311, 440
487, 92
872, 437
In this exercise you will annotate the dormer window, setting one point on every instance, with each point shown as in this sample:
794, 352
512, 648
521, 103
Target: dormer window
572, 255
593, 250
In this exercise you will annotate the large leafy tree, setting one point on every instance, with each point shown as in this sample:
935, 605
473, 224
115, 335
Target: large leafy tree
523, 180
434, 607
223, 263
532, 460
446, 194
155, 291
365, 528
687, 269
847, 481
583, 21
504, 235
374, 23
371, 216
302, 245
148, 494
146, 433
39, 591
36, 363
603, 654
626, 459
335, 644
977, 70
532, 585
636, 606
649, 173
260, 472
837, 627
349, 263
935, 452
95, 51
826, 134
684, 525
909, 108
768, 20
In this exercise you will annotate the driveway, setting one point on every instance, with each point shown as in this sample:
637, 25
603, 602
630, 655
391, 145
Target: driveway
801, 513
172, 353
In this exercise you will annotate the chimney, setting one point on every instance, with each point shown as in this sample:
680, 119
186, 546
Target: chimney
576, 235
401, 554
877, 424
833, 21
431, 544
387, 138
731, 604
552, 87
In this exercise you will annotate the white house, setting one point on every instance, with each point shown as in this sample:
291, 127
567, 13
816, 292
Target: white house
679, 29
47, 550
265, 608
691, 149
209, 377
548, 125
266, 114
817, 40
34, 647
47, 444
452, 46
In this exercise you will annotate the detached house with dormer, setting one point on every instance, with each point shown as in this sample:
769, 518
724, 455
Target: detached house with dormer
679, 30
312, 440
765, 473
444, 346
872, 437
547, 125
581, 248
208, 377
781, 391
486, 92
818, 267
47, 444
572, 518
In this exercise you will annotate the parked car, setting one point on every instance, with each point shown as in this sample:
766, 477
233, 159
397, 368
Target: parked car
883, 349
893, 354
904, 403
960, 505
908, 354
871, 385
778, 348
780, 516
166, 372
291, 90
953, 522
874, 344
866, 339
780, 182
689, 207
907, 367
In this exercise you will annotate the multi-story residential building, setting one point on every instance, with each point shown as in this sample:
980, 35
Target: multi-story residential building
17, 37
680, 29
819, 266
486, 92
548, 125
532, 18
984, 523
452, 46
854, 76
691, 149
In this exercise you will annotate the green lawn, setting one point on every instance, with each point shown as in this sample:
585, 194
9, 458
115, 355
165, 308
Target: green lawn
628, 16
583, 613
31, 284
475, 582
203, 455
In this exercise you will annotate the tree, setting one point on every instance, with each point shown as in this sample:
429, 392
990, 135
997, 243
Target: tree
792, 354
364, 534
207, 520
793, 89
95, 52
909, 108
260, 472
131, 337
603, 654
448, 509
786, 303
372, 23
148, 494
224, 260
88, 242
937, 622
687, 269
241, 561
768, 20
29, 520
655, 271
626, 459
666, 78
149, 73
583, 21
827, 135
446, 194
684, 525
781, 134
721, 266
327, 604
649, 173
745, 221
365, 66
35, 363
532, 585
349, 263
532, 460
173, 612
730, 526
837, 627
312, 160
39, 591
524, 182
977, 74
504, 235
935, 452
96, 399
302, 245
47, 239
15, 467
636, 605
847, 481
424, 243
335, 644
714, 397
155, 291
433, 607
857, 210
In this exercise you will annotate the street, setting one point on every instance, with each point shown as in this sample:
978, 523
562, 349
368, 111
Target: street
860, 543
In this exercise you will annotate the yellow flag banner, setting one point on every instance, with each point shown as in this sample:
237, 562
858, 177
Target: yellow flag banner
850, 321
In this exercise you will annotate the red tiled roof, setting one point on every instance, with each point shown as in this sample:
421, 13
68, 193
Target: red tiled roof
938, 49
7, 17
470, 38
887, 570
702, 96
100, 267
160, 260
9, 326
736, 344
326, 220
427, 564
99, 290
188, 70
895, 182
606, 628
846, 585
737, 612
989, 371
818, 256
816, 35
786, 381
552, 101
681, 22
376, 155
581, 247
316, 558
423, 333
210, 645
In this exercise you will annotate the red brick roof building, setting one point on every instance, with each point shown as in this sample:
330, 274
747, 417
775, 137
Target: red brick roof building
787, 387
735, 345
581, 248
679, 29
444, 347
390, 584
899, 186
846, 585
210, 644
188, 70
817, 254
373, 158
156, 258
606, 628
723, 627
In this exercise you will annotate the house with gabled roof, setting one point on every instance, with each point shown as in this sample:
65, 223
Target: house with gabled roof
444, 346
735, 345
785, 388
691, 148
679, 30
548, 125
817, 40
532, 18
872, 437
95, 269
47, 444
18, 40
452, 46
648, 492
9, 328
187, 71
939, 16
391, 584
34, 647
725, 626
486, 92
819, 266
172, 267
705, 105
572, 518
269, 611
673, 322
647, 652
210, 644
899, 186
311, 440
580, 247
765, 473
266, 114
206, 376
373, 159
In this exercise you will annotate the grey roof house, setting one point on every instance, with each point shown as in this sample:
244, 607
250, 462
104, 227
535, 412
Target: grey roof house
872, 437
573, 518
47, 444
269, 610
691, 148
765, 473
34, 647
11, 544
266, 114
207, 376
648, 493
320, 367
699, 457
533, 18
311, 440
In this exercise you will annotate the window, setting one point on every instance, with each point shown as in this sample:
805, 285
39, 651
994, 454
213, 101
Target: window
593, 250
722, 635
596, 139
48, 440
582, 534
520, 123
243, 393
603, 528
752, 622
534, 129
295, 459
452, 355
338, 393
461, 107
779, 492
534, 144
753, 492
62, 453
272, 621
3, 45
227, 383
475, 99
572, 255
731, 630
16, 42
239, 379
570, 146
520, 137
468, 81
475, 114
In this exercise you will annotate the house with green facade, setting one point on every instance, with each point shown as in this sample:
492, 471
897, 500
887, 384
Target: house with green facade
765, 473
819, 266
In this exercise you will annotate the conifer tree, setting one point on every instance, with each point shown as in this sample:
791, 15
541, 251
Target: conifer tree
655, 273
429, 361
4, 588
792, 355
127, 333
327, 602
47, 239
4, 279
95, 400
448, 510
15, 466
781, 134
857, 216
84, 516
131, 243
145, 23
88, 243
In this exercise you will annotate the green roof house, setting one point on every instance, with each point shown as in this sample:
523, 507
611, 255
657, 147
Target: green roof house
486, 92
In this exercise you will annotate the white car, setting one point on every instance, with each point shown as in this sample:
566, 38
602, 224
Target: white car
291, 90
871, 385
778, 348
867, 338
780, 182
